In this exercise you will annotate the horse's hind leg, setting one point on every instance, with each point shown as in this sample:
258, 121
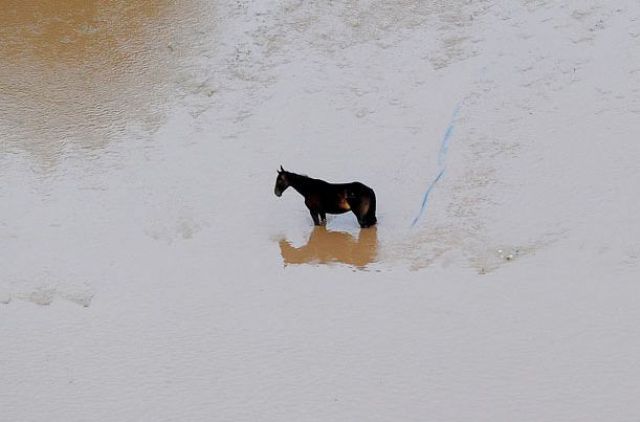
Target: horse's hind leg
371, 212
370, 217
360, 207
323, 218
365, 211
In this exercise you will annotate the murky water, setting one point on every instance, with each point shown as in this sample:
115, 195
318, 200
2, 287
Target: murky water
100, 145
78, 74
100, 133
81, 82
147, 271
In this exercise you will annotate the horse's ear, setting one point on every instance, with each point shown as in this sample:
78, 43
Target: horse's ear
281, 169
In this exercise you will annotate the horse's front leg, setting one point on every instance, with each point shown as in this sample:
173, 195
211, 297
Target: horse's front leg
313, 210
314, 215
323, 218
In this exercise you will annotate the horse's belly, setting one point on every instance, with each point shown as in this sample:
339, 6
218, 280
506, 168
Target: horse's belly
339, 207
343, 205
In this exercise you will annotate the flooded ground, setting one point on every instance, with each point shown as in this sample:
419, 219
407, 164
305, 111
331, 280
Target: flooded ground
148, 272
77, 75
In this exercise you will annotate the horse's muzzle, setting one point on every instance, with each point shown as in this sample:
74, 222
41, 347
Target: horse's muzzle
278, 193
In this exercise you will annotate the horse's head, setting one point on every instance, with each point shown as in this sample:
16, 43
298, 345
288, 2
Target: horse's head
281, 182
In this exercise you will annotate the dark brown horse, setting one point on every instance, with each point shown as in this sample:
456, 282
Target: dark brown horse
324, 198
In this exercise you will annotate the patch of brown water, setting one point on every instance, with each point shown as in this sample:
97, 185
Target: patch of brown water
330, 247
76, 73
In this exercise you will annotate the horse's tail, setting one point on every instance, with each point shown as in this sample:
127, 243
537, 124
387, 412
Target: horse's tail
369, 217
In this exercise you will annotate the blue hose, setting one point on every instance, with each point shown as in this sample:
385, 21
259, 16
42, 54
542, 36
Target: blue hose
442, 157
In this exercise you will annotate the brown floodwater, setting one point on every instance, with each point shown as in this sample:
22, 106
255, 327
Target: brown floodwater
77, 74
328, 247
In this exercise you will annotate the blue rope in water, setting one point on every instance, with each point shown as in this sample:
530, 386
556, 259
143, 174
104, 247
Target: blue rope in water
442, 156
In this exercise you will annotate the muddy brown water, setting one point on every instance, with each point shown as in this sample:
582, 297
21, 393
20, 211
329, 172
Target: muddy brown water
76, 74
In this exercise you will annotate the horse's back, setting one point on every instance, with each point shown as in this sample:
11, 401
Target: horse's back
359, 189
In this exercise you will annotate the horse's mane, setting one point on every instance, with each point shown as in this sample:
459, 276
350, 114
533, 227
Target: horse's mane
296, 174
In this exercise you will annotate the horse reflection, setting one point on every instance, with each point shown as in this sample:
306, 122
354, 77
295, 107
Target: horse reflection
326, 247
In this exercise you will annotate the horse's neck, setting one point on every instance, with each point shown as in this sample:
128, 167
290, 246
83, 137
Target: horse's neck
299, 183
